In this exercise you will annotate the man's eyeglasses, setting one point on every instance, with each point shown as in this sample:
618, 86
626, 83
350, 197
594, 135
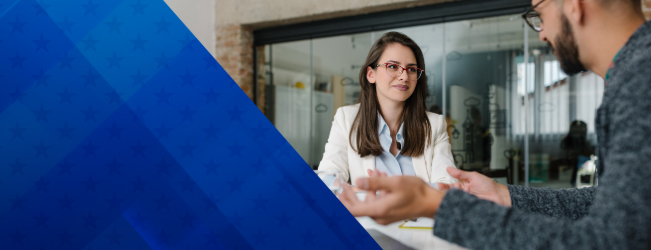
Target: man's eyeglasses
395, 70
532, 18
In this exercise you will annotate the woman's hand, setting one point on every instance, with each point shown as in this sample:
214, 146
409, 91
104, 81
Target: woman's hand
478, 185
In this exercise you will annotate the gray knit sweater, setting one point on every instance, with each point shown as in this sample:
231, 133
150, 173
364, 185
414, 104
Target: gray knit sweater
614, 215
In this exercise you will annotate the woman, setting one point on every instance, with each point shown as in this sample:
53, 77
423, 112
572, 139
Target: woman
390, 130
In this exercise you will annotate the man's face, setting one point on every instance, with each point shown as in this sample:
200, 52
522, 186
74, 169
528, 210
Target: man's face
557, 32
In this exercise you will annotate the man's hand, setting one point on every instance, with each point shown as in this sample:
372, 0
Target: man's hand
376, 173
403, 197
479, 185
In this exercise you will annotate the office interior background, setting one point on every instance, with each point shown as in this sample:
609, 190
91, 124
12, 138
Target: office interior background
506, 101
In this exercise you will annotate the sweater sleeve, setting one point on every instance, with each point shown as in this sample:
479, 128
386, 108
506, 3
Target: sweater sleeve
616, 223
564, 203
617, 217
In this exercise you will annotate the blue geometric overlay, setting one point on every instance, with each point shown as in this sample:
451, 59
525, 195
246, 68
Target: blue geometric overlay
118, 130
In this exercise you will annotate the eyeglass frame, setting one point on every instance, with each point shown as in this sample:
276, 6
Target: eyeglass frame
402, 69
530, 13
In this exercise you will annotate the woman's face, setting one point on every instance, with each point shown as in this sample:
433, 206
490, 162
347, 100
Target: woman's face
394, 88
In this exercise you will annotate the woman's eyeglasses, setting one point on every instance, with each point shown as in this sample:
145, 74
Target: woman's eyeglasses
532, 18
395, 70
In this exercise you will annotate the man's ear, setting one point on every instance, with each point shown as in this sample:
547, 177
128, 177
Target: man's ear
370, 74
575, 10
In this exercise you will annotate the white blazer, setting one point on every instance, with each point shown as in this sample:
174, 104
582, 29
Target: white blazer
340, 156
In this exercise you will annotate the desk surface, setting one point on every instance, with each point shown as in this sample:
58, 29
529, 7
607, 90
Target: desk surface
416, 238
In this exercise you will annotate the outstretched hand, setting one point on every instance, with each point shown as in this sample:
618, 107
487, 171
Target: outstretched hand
479, 185
403, 197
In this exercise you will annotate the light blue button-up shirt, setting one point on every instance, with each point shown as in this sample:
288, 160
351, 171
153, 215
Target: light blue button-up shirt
386, 162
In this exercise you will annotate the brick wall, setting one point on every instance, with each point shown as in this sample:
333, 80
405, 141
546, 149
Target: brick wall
234, 51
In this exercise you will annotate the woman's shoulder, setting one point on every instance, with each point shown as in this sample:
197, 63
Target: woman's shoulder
349, 110
352, 107
345, 116
436, 121
433, 117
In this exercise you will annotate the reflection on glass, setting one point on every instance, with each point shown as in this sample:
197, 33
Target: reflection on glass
475, 77
483, 67
336, 64
289, 93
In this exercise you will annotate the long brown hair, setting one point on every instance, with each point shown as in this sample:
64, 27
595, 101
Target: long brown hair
417, 129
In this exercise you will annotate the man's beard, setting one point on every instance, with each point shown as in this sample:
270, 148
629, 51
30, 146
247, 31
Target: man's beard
567, 50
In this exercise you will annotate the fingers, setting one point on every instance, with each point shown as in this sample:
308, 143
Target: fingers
399, 201
383, 221
457, 185
462, 185
390, 209
375, 183
375, 173
459, 174
356, 207
382, 192
443, 186
349, 200
386, 220
362, 183
371, 196
348, 196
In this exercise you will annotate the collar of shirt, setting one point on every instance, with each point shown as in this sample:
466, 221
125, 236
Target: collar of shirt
385, 134
612, 65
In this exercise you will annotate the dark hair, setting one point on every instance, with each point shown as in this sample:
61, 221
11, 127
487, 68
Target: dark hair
636, 5
417, 129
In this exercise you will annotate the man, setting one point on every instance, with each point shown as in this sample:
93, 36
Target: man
610, 38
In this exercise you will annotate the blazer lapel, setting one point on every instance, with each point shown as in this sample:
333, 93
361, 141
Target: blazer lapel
420, 167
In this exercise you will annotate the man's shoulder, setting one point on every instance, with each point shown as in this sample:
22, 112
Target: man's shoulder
634, 59
631, 75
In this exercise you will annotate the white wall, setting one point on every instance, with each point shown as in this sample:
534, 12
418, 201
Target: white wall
275, 12
199, 17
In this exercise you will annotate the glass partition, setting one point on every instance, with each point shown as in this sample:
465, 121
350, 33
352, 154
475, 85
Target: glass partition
288, 93
493, 101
